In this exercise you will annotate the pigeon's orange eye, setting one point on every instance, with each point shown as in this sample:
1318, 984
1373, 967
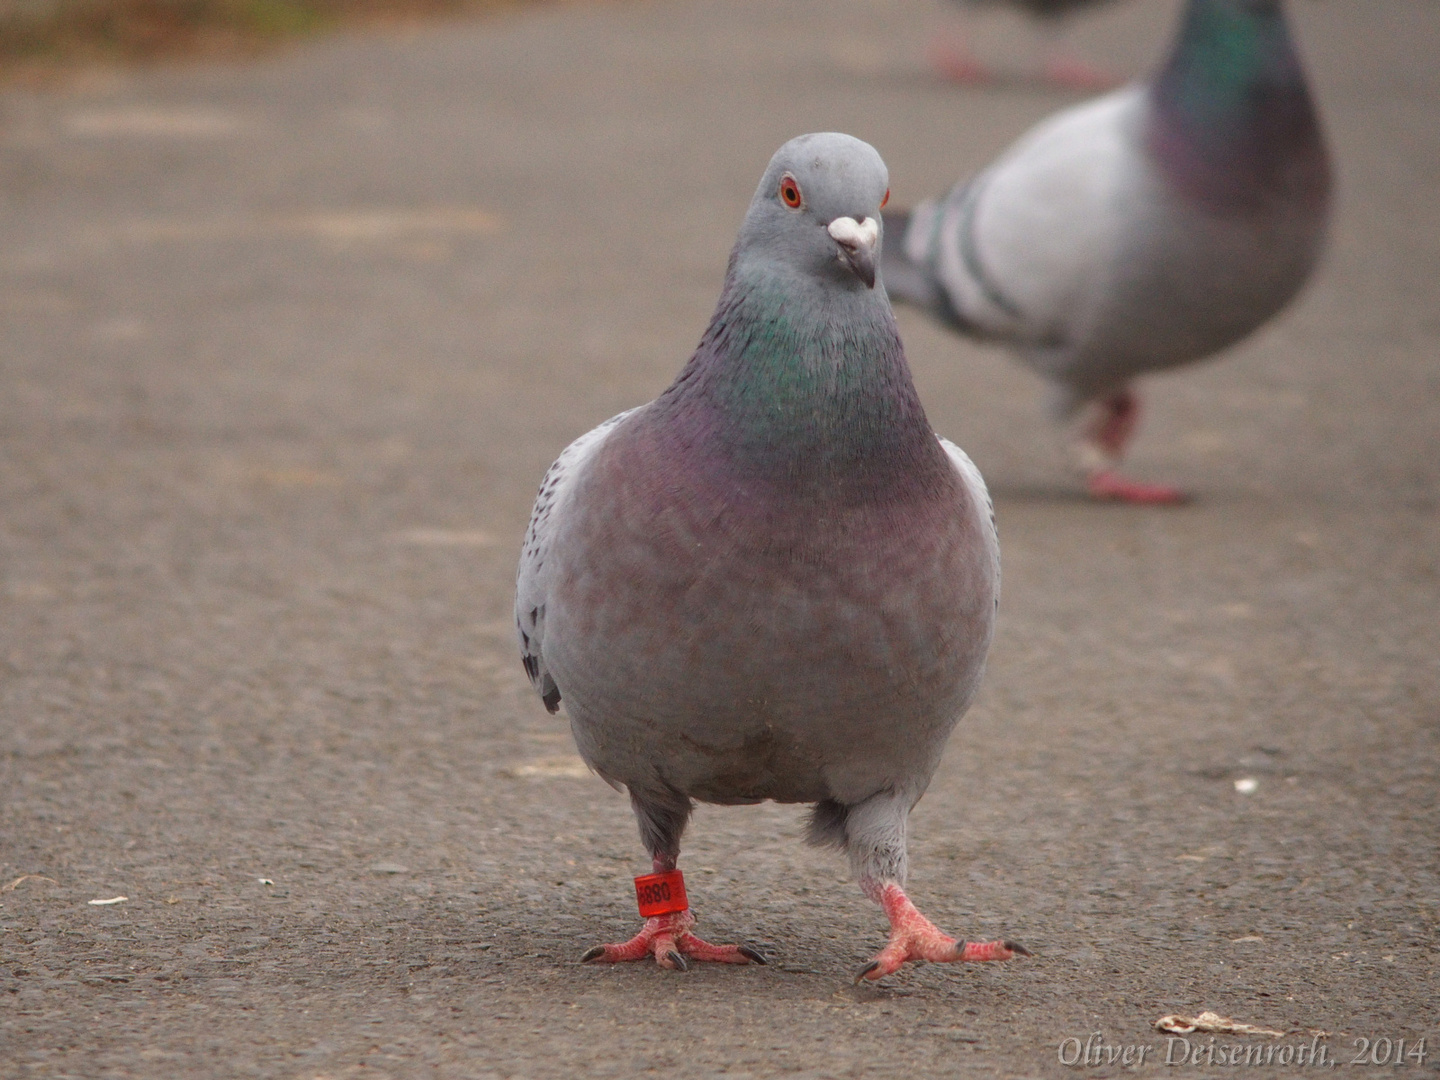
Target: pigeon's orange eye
790, 192
885, 199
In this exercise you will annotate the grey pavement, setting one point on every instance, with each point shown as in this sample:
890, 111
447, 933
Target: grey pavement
284, 350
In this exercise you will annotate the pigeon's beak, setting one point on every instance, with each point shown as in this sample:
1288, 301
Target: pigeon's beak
857, 241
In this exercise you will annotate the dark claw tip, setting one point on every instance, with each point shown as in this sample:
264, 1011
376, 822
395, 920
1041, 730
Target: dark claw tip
593, 954
753, 955
1018, 949
681, 964
860, 975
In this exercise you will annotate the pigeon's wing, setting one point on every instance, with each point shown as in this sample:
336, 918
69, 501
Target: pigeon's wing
532, 583
980, 494
1021, 252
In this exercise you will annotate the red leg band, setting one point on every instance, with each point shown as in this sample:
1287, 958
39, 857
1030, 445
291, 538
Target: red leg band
661, 894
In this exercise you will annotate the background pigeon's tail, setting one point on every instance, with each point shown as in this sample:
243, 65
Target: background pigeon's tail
905, 280
912, 280
907, 264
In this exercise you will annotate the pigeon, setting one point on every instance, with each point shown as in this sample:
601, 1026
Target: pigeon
774, 581
956, 62
1148, 228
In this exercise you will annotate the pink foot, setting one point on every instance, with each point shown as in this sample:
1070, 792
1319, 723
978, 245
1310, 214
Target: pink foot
955, 64
1072, 74
914, 937
669, 940
1110, 485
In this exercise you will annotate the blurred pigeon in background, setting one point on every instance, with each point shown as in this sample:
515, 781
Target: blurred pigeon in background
1149, 228
953, 55
774, 581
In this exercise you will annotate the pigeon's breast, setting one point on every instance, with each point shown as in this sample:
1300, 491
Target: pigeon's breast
743, 638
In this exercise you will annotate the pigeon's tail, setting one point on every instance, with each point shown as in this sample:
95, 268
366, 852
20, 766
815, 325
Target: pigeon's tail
826, 827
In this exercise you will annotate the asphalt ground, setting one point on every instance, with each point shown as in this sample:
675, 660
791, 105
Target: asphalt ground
285, 349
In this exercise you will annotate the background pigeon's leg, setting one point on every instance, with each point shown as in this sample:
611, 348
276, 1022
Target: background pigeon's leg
953, 58
1116, 424
662, 819
874, 837
1061, 67
1103, 444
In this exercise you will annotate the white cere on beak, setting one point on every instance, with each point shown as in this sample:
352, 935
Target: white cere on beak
855, 235
856, 241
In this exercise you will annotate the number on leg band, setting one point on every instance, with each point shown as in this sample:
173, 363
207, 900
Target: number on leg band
661, 894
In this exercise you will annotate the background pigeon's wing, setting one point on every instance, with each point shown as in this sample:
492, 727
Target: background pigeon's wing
532, 584
1020, 250
975, 484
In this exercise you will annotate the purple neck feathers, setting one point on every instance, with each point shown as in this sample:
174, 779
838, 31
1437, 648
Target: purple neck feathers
802, 387
1233, 126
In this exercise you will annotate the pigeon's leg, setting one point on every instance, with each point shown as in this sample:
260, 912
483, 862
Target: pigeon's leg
874, 837
952, 57
955, 62
1103, 444
667, 937
1062, 68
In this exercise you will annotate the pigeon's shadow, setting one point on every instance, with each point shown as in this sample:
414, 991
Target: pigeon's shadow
1047, 495
1040, 494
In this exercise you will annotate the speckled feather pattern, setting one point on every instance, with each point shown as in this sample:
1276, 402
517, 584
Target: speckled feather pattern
533, 579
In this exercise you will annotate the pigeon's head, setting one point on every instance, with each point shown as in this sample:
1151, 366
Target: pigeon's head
817, 210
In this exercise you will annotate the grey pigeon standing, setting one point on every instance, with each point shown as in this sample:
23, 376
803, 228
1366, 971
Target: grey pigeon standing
774, 581
954, 58
1147, 229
